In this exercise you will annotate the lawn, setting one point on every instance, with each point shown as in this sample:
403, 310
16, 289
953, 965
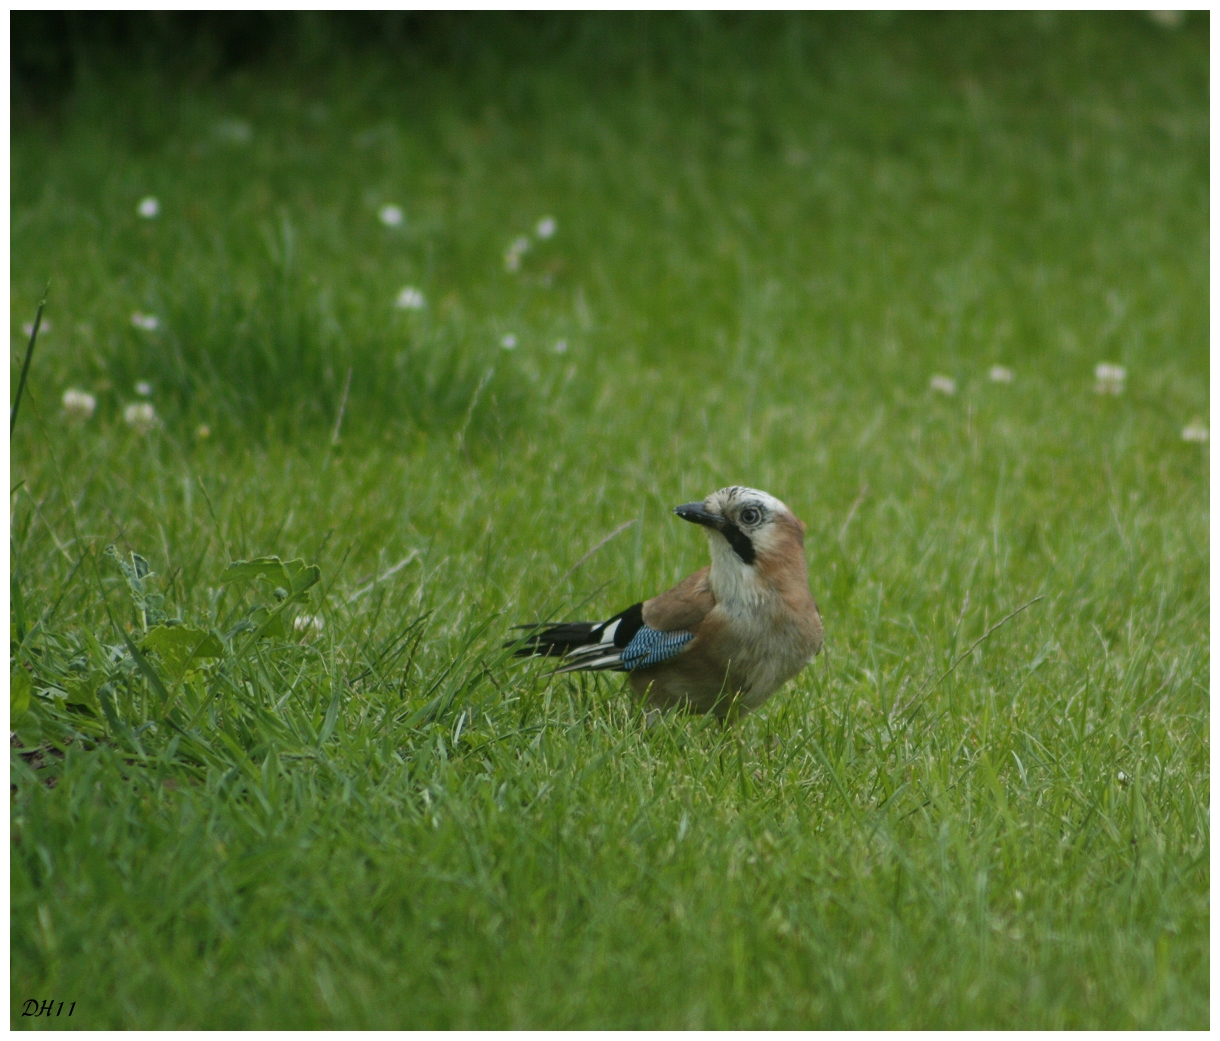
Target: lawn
331, 798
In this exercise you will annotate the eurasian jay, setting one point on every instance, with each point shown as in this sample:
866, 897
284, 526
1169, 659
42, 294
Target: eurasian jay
726, 638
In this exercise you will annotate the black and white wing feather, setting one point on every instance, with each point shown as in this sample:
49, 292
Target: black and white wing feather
620, 644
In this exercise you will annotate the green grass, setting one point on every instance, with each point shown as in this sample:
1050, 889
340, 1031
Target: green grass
771, 234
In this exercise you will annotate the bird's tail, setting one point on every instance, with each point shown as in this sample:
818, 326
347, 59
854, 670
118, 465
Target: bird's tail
555, 640
585, 646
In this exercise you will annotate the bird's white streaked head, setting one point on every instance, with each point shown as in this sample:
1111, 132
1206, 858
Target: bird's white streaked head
750, 522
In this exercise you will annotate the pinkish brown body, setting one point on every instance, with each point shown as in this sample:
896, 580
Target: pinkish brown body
724, 639
755, 625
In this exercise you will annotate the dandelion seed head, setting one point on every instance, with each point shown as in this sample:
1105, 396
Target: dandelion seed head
546, 228
1000, 374
149, 207
78, 404
410, 299
144, 388
508, 341
148, 322
561, 346
943, 385
44, 327
140, 416
1195, 432
391, 216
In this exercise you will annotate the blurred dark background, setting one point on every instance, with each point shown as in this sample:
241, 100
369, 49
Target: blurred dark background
52, 50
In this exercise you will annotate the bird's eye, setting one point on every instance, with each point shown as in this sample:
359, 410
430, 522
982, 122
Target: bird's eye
750, 516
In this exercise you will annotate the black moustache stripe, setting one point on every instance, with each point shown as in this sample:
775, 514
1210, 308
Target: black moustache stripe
739, 540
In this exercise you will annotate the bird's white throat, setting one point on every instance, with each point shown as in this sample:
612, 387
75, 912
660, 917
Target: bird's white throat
736, 585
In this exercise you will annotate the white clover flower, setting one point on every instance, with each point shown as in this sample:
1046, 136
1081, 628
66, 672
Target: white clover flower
140, 416
1195, 432
150, 323
391, 216
1110, 378
561, 346
309, 624
1000, 374
508, 341
44, 327
410, 299
144, 388
546, 228
148, 208
78, 404
1168, 19
943, 385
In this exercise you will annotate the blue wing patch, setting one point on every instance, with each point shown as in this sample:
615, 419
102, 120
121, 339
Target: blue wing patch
651, 647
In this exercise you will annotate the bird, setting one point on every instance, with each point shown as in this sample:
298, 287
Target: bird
724, 639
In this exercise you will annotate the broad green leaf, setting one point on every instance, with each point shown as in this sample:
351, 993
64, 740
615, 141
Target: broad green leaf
19, 686
83, 691
270, 568
301, 575
273, 620
178, 646
293, 576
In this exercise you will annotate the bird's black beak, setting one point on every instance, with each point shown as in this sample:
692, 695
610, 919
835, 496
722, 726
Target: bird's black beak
697, 513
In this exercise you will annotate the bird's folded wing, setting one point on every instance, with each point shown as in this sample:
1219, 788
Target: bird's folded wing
651, 647
683, 607
645, 634
647, 648
669, 622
